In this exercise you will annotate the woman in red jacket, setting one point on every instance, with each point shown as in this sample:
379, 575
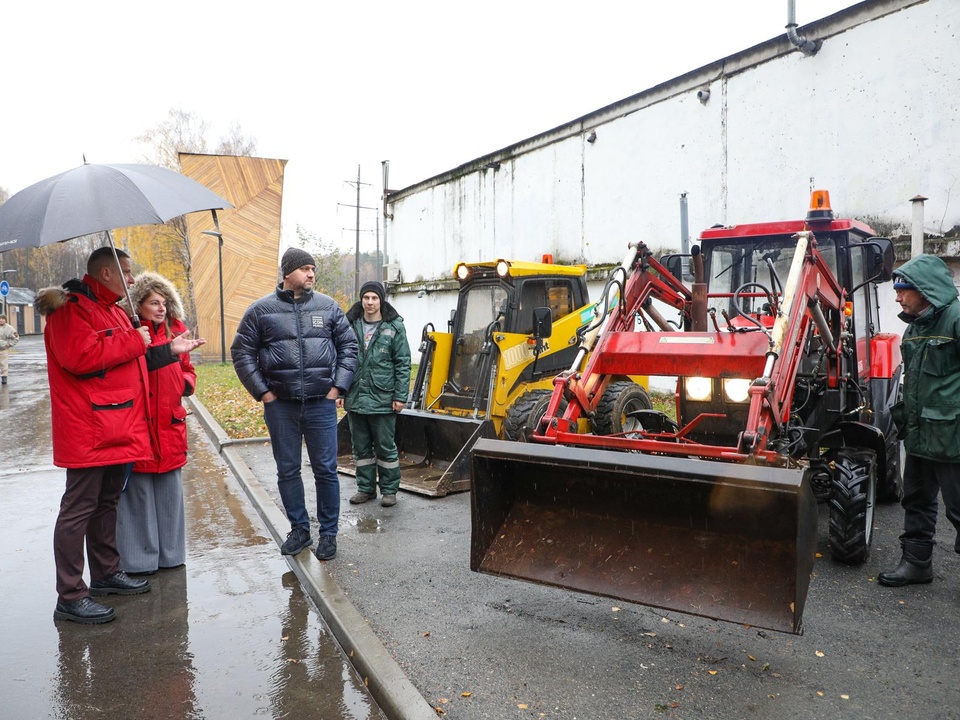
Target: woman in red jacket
151, 530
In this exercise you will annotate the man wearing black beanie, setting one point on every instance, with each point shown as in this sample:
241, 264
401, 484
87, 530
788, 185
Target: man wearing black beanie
379, 391
295, 352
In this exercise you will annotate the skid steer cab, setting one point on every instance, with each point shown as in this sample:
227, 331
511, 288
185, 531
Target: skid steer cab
490, 374
769, 336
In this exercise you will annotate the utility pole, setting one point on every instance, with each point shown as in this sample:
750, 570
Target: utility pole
356, 272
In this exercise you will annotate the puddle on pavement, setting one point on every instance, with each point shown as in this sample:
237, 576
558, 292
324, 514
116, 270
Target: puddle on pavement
231, 634
364, 524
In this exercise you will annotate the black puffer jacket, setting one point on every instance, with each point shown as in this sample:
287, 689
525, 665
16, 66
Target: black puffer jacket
297, 349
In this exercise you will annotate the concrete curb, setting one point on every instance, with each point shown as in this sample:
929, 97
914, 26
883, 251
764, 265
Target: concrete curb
389, 686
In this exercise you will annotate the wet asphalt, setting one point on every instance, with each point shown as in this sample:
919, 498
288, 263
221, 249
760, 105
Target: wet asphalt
398, 626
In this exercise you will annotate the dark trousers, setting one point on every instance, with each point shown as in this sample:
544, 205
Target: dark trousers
922, 480
88, 515
375, 451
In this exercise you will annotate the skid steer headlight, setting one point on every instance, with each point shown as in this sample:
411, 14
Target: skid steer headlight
699, 389
462, 272
736, 390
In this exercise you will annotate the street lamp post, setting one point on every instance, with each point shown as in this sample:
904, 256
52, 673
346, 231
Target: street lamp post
216, 233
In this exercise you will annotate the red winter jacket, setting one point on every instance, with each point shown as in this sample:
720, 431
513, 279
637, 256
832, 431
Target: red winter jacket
167, 385
98, 377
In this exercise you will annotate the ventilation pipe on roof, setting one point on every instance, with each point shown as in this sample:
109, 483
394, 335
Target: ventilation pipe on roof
807, 47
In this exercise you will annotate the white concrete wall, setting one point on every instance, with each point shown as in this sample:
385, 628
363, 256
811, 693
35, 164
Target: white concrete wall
874, 117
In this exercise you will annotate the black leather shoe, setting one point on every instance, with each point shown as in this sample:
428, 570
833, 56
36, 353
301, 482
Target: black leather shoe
84, 611
906, 574
119, 584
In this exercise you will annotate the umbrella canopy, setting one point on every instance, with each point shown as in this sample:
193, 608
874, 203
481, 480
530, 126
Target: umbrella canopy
95, 198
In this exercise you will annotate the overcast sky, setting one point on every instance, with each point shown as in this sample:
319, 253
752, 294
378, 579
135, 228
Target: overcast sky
328, 86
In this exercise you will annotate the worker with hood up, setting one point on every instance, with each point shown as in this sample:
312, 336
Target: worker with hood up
928, 418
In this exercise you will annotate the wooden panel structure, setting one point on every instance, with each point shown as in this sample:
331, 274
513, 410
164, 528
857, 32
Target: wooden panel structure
251, 241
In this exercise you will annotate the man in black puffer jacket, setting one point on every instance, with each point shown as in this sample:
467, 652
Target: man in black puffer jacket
295, 352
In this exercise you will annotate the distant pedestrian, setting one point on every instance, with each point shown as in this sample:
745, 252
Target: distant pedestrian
96, 364
151, 527
8, 338
295, 352
379, 391
928, 419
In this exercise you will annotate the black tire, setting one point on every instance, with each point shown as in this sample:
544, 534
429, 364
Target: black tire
619, 399
525, 413
852, 504
890, 488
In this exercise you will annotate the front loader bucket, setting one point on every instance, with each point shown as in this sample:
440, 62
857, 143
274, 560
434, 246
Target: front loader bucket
726, 541
434, 450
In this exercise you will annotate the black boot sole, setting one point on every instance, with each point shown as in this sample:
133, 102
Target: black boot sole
117, 591
902, 582
97, 620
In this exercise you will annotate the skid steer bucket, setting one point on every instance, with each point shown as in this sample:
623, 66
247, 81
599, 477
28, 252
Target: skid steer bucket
722, 540
434, 450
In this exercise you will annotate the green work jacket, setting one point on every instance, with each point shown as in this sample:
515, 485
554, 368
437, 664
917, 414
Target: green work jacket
383, 367
929, 416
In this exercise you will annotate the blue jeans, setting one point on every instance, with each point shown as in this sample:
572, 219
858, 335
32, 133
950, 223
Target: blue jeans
290, 423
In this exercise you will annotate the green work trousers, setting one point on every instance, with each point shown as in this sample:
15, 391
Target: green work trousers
373, 438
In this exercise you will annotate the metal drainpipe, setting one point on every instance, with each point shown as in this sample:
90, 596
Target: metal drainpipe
684, 225
807, 47
916, 238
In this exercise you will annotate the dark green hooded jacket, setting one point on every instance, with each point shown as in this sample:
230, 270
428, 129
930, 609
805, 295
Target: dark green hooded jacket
929, 417
383, 368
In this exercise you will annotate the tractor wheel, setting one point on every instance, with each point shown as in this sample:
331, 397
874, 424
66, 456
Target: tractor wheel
618, 401
890, 489
523, 416
852, 505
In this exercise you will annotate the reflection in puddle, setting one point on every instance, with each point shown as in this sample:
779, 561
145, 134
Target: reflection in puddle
366, 524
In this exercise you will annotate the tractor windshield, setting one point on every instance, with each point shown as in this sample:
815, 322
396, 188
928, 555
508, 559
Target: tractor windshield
729, 265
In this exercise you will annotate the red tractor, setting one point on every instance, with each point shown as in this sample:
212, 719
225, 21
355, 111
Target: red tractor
783, 392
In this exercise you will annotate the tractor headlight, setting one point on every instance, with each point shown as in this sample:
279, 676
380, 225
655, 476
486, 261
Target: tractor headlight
736, 390
699, 389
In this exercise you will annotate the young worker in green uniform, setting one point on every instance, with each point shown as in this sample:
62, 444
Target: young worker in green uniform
379, 391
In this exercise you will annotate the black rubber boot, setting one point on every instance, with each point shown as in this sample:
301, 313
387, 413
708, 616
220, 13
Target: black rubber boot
915, 568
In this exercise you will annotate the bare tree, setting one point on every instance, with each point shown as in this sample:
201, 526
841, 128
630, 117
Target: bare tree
180, 132
235, 143
186, 132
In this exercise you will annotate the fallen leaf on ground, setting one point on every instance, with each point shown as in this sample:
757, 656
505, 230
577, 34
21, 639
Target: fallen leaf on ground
466, 694
818, 653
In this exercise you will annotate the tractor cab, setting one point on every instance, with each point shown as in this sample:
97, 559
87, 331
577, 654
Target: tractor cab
499, 298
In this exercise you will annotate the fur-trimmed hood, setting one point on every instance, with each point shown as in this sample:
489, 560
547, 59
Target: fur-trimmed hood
53, 298
50, 299
147, 282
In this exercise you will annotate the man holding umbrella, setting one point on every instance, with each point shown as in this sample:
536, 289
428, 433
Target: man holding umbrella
97, 368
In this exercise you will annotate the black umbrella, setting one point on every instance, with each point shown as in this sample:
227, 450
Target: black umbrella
99, 198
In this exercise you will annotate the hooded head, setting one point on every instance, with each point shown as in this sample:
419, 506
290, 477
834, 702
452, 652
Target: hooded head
148, 282
928, 275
